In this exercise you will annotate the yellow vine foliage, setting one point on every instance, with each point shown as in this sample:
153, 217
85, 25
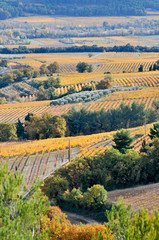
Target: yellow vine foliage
52, 144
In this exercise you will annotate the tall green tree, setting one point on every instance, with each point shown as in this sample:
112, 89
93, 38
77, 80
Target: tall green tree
154, 131
8, 132
20, 129
82, 67
20, 210
53, 67
123, 141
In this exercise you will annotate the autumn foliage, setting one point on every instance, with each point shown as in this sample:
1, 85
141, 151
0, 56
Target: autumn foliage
60, 228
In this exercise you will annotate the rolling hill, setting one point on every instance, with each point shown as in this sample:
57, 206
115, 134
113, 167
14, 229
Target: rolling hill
16, 8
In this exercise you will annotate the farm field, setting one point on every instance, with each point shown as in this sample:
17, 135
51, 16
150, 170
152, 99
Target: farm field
38, 159
107, 41
147, 81
11, 112
88, 141
142, 196
102, 62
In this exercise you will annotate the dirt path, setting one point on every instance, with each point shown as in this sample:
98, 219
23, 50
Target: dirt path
78, 219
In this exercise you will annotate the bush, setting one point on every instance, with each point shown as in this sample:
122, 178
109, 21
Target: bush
95, 197
55, 187
87, 96
8, 132
73, 198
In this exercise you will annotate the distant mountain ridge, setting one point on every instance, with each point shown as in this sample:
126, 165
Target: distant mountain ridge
15, 8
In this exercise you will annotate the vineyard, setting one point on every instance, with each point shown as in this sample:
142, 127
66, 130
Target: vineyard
139, 197
21, 91
102, 62
24, 92
39, 165
148, 81
123, 67
38, 159
88, 141
11, 112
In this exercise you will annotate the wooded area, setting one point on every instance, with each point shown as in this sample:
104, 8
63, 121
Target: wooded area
75, 8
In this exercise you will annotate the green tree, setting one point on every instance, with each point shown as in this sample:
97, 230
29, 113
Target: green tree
52, 82
119, 220
128, 225
4, 63
154, 67
8, 78
20, 129
8, 132
45, 126
73, 197
51, 93
20, 210
95, 197
42, 94
43, 69
154, 131
55, 187
90, 68
2, 100
53, 67
28, 117
82, 67
122, 141
141, 68
106, 83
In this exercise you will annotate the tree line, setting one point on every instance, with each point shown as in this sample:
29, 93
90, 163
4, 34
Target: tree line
78, 122
15, 8
127, 48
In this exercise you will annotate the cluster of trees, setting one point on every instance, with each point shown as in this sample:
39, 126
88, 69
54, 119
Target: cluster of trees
26, 214
153, 67
16, 76
83, 183
47, 89
50, 69
88, 122
41, 127
77, 122
84, 48
3, 63
88, 93
83, 67
76, 8
26, 72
